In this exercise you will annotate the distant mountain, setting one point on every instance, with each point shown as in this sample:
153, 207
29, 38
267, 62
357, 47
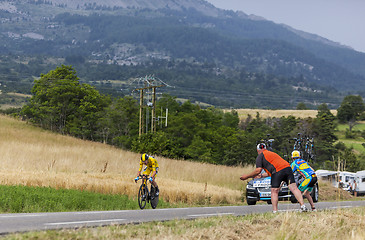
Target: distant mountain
189, 43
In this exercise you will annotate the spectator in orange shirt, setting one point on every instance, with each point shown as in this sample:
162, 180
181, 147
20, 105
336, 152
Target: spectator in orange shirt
280, 171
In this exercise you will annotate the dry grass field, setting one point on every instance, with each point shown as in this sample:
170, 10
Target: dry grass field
264, 113
34, 157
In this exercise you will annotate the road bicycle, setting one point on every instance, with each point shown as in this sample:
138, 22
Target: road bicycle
309, 148
268, 142
305, 145
146, 194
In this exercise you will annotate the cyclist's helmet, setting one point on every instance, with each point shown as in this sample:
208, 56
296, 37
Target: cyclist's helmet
295, 154
144, 157
261, 146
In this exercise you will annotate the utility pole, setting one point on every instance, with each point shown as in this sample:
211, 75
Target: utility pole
153, 117
141, 112
149, 83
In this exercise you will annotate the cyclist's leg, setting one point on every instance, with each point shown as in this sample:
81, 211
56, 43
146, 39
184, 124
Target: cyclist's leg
146, 172
309, 197
308, 188
155, 183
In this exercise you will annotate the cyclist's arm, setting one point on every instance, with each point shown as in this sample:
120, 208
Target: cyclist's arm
293, 166
154, 166
140, 168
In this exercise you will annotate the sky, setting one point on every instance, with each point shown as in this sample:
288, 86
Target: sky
341, 21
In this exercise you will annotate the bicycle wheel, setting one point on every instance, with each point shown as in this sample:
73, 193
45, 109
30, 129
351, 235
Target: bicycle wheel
154, 200
142, 196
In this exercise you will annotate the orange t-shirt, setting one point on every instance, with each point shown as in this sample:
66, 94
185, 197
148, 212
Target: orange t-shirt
271, 162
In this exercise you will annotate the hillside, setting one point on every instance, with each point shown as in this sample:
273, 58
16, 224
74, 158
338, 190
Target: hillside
206, 54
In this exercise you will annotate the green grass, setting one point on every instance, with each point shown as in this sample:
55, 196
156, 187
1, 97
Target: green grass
357, 127
22, 199
357, 145
355, 142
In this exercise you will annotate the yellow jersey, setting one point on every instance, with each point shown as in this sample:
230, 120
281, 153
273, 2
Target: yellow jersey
151, 164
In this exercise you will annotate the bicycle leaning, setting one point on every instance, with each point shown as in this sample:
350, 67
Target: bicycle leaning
146, 194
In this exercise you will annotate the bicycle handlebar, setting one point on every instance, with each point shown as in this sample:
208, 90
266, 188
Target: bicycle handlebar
142, 176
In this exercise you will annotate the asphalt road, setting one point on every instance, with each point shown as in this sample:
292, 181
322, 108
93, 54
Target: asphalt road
23, 222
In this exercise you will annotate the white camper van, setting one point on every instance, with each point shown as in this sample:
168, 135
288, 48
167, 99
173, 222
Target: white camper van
338, 179
327, 175
345, 179
360, 182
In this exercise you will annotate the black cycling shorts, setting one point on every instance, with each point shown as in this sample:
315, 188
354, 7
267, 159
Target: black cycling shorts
285, 175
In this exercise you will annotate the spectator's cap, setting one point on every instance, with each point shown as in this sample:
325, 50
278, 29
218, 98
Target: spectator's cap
261, 146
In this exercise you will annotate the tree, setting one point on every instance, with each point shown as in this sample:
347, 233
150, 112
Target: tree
323, 130
89, 110
54, 101
302, 106
119, 123
60, 103
350, 110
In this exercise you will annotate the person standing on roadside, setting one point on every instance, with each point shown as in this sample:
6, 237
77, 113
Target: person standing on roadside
280, 171
354, 186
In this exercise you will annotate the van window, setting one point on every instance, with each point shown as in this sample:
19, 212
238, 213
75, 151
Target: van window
362, 179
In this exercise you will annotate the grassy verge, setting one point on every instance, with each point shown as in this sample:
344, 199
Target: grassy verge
334, 224
22, 199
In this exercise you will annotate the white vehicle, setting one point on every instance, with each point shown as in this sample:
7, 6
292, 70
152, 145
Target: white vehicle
342, 179
327, 175
360, 182
345, 179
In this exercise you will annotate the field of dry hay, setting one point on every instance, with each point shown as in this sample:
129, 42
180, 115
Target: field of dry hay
264, 113
34, 157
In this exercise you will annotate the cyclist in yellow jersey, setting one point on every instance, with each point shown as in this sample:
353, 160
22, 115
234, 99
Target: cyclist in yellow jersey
151, 166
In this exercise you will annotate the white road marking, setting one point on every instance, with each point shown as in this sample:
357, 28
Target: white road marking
81, 222
340, 207
210, 214
22, 216
101, 212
